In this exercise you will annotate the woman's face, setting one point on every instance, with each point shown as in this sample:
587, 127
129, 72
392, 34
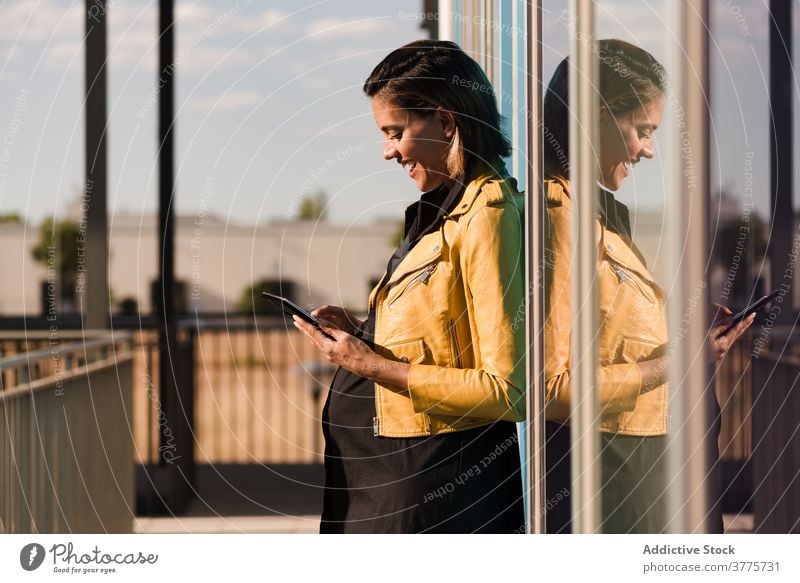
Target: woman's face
626, 139
419, 144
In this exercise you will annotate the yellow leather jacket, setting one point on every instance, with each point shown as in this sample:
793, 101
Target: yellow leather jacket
632, 319
454, 309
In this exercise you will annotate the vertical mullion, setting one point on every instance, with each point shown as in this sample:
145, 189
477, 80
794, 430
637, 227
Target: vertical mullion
688, 244
95, 301
583, 102
512, 53
447, 20
780, 142
534, 219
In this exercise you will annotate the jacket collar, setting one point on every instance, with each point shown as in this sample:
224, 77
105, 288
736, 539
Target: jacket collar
430, 247
614, 217
475, 179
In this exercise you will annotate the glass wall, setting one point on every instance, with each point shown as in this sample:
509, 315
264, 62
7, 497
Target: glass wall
657, 226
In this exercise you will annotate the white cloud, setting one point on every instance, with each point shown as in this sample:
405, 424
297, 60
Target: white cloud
231, 100
270, 17
335, 28
62, 52
204, 59
42, 22
316, 82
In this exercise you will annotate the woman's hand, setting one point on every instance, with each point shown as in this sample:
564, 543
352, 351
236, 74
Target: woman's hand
654, 370
721, 343
338, 317
352, 354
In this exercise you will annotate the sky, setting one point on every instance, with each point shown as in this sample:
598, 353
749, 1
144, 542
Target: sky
270, 107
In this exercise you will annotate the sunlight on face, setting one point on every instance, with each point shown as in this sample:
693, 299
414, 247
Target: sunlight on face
625, 140
419, 144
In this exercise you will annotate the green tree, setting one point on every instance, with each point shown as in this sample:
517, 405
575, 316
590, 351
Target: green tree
397, 236
58, 249
250, 300
11, 218
740, 245
312, 208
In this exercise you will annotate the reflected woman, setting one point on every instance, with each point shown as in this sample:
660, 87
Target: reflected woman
632, 338
419, 421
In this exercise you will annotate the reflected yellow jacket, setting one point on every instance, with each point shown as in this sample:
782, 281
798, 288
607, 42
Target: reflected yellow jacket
632, 319
454, 309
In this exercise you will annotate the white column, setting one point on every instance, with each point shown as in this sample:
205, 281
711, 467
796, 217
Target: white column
583, 103
687, 222
534, 219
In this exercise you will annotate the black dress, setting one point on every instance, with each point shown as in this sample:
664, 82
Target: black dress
634, 477
440, 483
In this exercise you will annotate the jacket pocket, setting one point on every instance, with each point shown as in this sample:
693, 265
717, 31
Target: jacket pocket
408, 351
627, 278
401, 289
635, 349
455, 348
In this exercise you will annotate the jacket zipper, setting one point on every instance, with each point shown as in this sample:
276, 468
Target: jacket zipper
422, 277
451, 326
625, 277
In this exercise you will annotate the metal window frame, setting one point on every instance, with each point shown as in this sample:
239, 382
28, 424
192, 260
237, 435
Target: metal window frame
584, 434
687, 231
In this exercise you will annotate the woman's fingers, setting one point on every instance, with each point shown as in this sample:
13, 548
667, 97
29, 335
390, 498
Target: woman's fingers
314, 334
724, 309
318, 337
721, 344
742, 326
322, 311
332, 316
722, 317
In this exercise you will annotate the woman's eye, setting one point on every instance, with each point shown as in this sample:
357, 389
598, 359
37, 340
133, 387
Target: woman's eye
396, 137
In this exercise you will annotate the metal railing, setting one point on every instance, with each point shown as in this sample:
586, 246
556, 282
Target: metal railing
258, 395
259, 389
66, 442
734, 387
776, 443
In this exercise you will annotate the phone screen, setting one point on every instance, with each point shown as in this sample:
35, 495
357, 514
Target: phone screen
754, 307
759, 304
289, 308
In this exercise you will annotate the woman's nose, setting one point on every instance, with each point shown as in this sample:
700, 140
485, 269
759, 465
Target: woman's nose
647, 151
389, 151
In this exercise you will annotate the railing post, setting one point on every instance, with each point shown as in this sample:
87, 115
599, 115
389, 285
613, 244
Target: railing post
95, 306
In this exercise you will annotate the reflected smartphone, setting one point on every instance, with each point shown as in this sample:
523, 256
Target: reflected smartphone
289, 308
756, 306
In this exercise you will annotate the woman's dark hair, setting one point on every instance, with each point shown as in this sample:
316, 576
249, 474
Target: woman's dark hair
427, 74
629, 77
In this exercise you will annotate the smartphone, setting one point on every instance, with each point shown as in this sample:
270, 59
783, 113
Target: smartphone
756, 306
289, 308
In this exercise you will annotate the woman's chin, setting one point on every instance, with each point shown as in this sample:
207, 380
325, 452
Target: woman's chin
612, 185
426, 185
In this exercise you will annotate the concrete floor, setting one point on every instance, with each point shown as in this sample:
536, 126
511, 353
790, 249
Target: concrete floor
247, 499
734, 524
275, 499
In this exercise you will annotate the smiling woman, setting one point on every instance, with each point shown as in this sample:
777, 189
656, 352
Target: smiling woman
632, 341
419, 422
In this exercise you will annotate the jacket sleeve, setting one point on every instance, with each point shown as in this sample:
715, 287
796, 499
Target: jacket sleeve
491, 261
618, 384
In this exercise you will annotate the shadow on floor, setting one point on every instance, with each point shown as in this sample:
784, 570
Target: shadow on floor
249, 490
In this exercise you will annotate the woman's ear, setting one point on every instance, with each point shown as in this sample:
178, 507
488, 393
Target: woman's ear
448, 121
